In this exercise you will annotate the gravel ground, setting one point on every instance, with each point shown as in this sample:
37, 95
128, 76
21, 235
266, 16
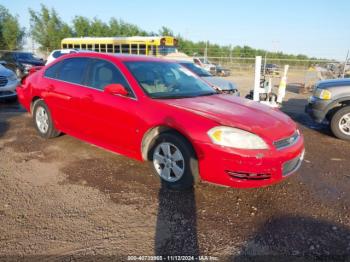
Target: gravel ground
63, 199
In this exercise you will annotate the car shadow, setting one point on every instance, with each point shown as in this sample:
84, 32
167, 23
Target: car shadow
7, 109
297, 238
295, 108
176, 228
295, 88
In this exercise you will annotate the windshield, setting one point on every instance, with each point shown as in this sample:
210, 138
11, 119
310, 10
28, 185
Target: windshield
168, 80
196, 69
165, 50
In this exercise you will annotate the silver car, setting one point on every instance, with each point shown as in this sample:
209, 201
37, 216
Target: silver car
8, 83
225, 86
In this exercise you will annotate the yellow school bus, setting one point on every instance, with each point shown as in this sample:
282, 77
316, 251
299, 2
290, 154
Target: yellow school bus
138, 45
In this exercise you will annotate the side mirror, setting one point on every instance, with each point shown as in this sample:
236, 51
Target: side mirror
116, 89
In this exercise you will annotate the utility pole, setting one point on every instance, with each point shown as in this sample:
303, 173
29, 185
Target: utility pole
265, 63
346, 61
206, 51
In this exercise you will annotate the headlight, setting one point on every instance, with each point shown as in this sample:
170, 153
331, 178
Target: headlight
237, 138
323, 94
12, 77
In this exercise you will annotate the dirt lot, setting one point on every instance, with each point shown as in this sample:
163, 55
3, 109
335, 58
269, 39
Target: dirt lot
63, 199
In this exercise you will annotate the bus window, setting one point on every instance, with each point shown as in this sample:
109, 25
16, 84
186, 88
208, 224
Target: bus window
152, 50
117, 49
77, 46
97, 48
109, 48
142, 49
83, 46
134, 49
70, 46
64, 46
89, 47
103, 48
125, 49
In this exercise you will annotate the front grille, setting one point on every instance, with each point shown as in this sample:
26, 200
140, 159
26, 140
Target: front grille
248, 176
286, 142
292, 165
3, 80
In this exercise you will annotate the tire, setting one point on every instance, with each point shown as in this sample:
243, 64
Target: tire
43, 121
340, 123
179, 170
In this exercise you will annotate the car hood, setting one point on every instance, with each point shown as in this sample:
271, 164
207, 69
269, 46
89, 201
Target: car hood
221, 83
245, 114
333, 83
5, 72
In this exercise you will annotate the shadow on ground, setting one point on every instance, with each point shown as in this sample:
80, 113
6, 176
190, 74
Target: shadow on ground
6, 110
295, 108
176, 229
294, 238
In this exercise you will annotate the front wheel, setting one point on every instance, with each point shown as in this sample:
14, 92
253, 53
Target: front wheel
340, 123
174, 161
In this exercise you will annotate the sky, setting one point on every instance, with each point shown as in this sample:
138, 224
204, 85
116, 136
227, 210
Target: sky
319, 28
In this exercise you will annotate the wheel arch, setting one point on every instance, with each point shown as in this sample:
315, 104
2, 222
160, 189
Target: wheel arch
35, 99
336, 105
154, 132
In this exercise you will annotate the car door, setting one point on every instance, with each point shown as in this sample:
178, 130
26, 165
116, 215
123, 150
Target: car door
112, 120
64, 89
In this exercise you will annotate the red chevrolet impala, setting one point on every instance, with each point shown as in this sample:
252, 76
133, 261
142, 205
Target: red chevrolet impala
157, 110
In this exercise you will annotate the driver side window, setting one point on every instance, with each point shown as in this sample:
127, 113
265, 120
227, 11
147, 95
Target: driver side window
103, 73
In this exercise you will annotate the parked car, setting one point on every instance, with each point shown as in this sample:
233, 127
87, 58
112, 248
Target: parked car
271, 69
58, 53
205, 64
223, 85
21, 62
220, 71
153, 109
330, 104
8, 83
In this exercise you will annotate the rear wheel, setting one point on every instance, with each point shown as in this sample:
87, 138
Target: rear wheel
174, 161
43, 121
340, 123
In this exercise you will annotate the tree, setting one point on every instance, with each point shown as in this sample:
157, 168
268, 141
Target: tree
98, 28
166, 31
81, 26
47, 28
11, 34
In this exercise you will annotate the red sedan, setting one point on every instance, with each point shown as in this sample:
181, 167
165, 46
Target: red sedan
157, 110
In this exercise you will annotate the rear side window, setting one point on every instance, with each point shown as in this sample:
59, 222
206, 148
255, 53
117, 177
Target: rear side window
52, 71
73, 70
103, 73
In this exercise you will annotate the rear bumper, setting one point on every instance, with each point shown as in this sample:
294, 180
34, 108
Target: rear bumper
249, 168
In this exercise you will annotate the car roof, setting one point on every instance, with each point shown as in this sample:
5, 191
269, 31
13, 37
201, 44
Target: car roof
120, 57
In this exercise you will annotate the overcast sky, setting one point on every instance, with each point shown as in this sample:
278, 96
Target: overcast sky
318, 28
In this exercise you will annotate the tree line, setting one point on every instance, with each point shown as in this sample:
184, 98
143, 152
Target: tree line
47, 29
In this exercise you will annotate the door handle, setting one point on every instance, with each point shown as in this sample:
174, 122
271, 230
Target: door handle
88, 98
